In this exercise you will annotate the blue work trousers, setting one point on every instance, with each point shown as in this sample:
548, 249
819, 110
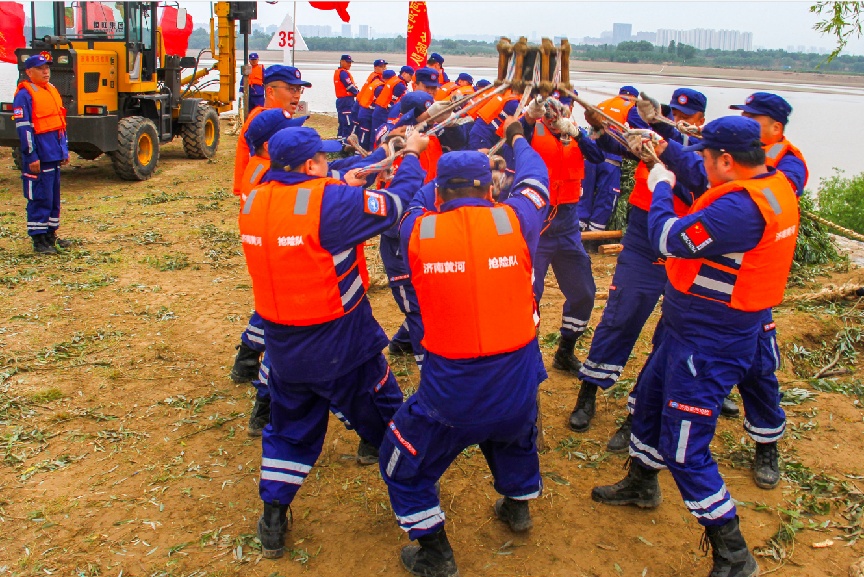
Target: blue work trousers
343, 114
764, 418
398, 277
417, 449
601, 188
253, 335
42, 192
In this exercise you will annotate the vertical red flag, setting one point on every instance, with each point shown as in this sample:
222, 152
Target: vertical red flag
419, 35
11, 30
341, 8
176, 39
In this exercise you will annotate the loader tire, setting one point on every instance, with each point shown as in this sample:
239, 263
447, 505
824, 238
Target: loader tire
137, 151
201, 137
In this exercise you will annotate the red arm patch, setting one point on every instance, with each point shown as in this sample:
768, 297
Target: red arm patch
696, 237
374, 203
18, 113
534, 197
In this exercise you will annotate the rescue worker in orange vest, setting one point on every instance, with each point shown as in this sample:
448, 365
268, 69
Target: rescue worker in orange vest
346, 92
256, 82
471, 266
463, 85
303, 235
564, 148
40, 121
640, 274
366, 95
283, 86
436, 62
765, 420
728, 262
392, 92
488, 127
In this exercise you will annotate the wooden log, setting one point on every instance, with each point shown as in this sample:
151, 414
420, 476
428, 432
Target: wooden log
601, 234
610, 248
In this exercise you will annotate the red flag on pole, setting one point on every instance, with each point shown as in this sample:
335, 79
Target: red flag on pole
11, 30
419, 35
341, 8
176, 39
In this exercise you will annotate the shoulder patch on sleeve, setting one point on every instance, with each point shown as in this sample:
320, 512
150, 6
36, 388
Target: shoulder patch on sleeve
374, 203
696, 237
18, 113
534, 197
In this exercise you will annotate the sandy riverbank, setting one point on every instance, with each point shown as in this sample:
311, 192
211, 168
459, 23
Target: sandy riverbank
709, 76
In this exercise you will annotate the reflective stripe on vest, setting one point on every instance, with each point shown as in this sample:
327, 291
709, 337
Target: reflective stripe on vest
242, 155
341, 91
296, 282
565, 164
459, 261
252, 175
367, 93
774, 153
755, 280
48, 112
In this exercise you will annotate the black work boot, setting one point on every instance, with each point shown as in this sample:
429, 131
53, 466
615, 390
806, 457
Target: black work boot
400, 348
515, 513
433, 557
729, 408
260, 416
766, 466
42, 246
367, 453
731, 556
246, 364
565, 359
273, 525
620, 441
60, 242
639, 488
583, 412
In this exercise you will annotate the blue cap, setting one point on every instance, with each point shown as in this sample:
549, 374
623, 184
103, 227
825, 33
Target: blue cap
380, 62
466, 77
268, 123
253, 56
428, 76
563, 98
346, 58
291, 147
407, 69
631, 90
468, 165
417, 101
37, 60
688, 101
388, 74
436, 58
766, 104
729, 133
286, 74
482, 83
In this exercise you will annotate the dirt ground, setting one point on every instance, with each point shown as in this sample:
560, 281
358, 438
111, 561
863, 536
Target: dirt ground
124, 441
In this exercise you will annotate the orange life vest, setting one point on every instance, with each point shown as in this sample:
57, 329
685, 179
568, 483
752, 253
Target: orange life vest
341, 92
242, 154
429, 158
48, 111
775, 152
367, 93
755, 280
385, 98
565, 164
293, 278
256, 75
617, 107
495, 105
459, 261
252, 175
641, 195
444, 91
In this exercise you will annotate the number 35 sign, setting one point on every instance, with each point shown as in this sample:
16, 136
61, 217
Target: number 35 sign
287, 38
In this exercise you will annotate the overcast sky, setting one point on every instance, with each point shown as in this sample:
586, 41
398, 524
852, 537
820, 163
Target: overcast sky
773, 24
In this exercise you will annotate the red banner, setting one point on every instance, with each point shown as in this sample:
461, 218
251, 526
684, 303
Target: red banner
419, 35
176, 39
341, 8
11, 30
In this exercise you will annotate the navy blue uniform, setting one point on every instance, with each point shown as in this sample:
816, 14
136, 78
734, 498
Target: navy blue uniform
345, 103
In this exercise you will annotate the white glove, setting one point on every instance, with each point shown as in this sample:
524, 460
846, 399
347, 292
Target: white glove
566, 126
436, 108
535, 110
648, 108
660, 174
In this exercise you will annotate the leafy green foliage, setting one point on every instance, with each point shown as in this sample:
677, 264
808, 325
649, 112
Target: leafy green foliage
815, 252
618, 220
840, 200
842, 20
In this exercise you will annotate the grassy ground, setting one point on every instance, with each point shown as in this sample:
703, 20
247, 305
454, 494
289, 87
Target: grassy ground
124, 442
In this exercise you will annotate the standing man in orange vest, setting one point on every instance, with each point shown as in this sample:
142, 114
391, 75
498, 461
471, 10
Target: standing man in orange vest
40, 120
394, 89
346, 92
564, 147
303, 235
365, 98
256, 82
728, 262
471, 266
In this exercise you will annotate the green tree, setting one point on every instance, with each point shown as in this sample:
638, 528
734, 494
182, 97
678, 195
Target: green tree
840, 19
840, 200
